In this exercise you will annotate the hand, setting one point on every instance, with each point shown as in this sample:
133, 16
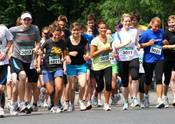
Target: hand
67, 59
86, 57
166, 47
151, 42
2, 56
107, 49
73, 53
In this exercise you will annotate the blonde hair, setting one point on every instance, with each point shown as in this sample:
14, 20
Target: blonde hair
125, 15
153, 20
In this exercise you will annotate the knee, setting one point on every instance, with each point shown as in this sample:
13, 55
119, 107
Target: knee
99, 88
22, 75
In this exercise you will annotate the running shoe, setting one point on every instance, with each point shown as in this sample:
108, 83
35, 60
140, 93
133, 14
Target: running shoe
106, 107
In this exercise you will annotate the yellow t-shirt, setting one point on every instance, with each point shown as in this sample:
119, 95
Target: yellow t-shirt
101, 61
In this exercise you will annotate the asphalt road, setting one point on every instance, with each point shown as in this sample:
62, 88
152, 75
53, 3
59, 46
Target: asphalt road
151, 115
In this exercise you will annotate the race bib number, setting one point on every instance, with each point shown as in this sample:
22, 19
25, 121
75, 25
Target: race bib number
127, 51
104, 58
54, 60
156, 49
26, 51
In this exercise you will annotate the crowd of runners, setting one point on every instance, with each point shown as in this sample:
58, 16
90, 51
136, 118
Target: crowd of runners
45, 69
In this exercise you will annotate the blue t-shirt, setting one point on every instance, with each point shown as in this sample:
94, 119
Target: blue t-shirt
89, 39
153, 53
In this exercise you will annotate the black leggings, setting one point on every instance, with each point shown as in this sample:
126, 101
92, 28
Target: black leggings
141, 82
100, 76
169, 66
126, 68
149, 68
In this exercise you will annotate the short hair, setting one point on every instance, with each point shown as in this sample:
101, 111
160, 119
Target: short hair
99, 22
171, 17
125, 15
90, 17
135, 15
75, 24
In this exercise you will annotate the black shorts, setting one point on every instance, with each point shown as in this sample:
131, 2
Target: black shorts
3, 74
17, 66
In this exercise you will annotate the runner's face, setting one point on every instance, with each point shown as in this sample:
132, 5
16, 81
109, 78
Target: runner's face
171, 23
61, 24
155, 26
26, 22
56, 35
76, 32
102, 29
126, 22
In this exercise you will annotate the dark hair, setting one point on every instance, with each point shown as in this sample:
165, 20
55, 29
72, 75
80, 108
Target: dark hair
56, 28
135, 15
90, 17
99, 22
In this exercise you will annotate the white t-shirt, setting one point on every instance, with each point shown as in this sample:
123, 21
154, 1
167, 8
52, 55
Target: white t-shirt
128, 52
5, 36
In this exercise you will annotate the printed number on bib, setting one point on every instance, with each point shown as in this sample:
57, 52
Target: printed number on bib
127, 51
104, 58
27, 51
156, 49
54, 60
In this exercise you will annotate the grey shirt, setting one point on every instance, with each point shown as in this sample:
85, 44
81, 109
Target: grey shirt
24, 42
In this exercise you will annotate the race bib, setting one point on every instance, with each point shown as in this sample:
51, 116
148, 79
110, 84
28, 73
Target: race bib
54, 60
26, 51
156, 49
104, 58
127, 51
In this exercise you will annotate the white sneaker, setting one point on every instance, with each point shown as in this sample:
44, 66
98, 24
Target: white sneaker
45, 105
106, 107
55, 110
100, 104
160, 103
22, 107
125, 106
142, 104
146, 101
13, 109
88, 105
65, 106
136, 102
82, 105
166, 101
71, 107
1, 112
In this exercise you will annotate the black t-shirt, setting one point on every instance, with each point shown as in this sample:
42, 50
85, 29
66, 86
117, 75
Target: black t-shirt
170, 53
53, 54
80, 48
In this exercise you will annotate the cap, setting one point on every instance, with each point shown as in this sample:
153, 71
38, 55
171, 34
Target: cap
26, 15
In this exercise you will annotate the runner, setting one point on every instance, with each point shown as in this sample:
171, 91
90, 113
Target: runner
26, 43
152, 42
77, 47
125, 42
55, 50
100, 49
5, 42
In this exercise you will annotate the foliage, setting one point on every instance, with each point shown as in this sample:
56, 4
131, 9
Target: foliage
45, 11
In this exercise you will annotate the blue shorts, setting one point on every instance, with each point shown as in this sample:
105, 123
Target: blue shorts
75, 70
50, 76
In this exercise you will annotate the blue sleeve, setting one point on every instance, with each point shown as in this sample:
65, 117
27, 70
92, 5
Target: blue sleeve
143, 38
